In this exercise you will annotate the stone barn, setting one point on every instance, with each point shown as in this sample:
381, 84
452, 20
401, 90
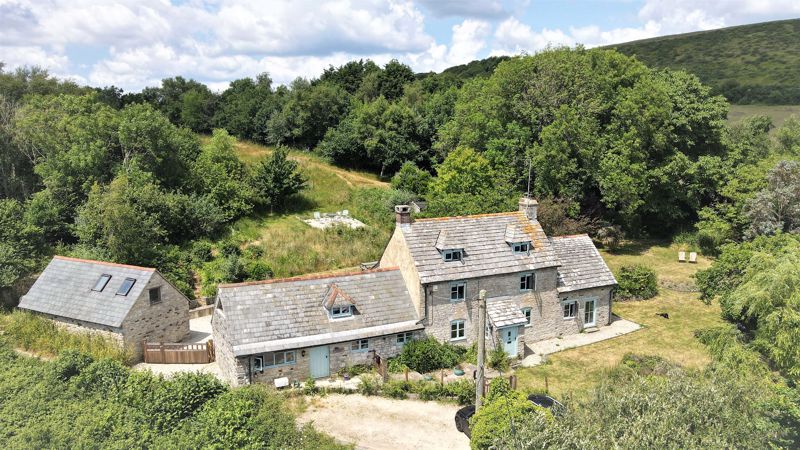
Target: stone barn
127, 303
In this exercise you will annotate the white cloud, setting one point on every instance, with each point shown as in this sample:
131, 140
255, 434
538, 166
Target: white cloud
134, 43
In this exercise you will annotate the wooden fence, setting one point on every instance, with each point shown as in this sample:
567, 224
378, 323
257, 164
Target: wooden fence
166, 353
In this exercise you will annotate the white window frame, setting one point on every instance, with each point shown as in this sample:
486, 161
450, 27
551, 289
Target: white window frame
573, 305
586, 311
268, 359
517, 248
342, 312
448, 254
460, 327
526, 311
524, 276
454, 287
359, 345
403, 338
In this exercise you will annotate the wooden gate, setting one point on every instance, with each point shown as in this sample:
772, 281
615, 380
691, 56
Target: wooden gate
166, 353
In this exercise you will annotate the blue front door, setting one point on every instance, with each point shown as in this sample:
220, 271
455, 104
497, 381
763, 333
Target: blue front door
319, 365
509, 336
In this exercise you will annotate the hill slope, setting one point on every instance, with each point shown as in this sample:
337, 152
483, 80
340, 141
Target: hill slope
755, 63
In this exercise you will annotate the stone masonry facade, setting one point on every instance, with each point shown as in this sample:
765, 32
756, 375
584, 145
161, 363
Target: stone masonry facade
166, 321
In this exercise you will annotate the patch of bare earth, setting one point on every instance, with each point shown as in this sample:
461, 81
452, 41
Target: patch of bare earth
380, 423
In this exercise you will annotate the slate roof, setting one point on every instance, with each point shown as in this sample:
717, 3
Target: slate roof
505, 311
64, 289
285, 314
483, 238
582, 267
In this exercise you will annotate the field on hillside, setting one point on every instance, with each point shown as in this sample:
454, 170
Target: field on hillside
289, 246
748, 64
579, 369
778, 113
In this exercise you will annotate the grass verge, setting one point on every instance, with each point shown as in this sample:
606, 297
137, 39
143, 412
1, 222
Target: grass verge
577, 370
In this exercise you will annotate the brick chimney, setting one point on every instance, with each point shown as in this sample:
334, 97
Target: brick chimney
402, 214
528, 206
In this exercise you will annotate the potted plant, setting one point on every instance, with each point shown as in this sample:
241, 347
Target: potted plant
458, 370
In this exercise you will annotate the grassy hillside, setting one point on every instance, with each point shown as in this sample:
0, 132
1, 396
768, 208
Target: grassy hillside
289, 246
748, 64
778, 113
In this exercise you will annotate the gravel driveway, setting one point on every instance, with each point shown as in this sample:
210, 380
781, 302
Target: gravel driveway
381, 423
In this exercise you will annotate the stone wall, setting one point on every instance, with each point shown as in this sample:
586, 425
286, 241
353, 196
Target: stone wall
396, 254
166, 321
442, 311
340, 357
233, 369
79, 326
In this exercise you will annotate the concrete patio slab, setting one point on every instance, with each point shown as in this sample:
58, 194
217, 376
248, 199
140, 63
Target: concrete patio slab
199, 330
618, 327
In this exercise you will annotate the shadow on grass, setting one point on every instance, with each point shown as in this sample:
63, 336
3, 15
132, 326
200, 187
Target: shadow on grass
638, 247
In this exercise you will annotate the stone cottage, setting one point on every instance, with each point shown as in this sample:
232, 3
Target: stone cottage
311, 326
537, 287
427, 284
127, 303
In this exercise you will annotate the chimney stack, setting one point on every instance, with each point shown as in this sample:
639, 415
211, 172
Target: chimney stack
528, 206
402, 214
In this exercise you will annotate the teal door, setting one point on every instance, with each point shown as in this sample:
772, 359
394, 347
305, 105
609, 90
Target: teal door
509, 336
318, 363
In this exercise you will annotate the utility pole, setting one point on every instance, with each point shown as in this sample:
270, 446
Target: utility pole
481, 349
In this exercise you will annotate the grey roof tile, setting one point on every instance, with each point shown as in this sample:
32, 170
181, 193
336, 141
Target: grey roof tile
582, 267
64, 289
505, 311
484, 239
291, 309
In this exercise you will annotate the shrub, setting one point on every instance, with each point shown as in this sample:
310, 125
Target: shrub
396, 389
369, 384
426, 355
502, 409
498, 359
610, 237
105, 376
69, 363
395, 365
462, 390
429, 390
201, 251
310, 387
637, 282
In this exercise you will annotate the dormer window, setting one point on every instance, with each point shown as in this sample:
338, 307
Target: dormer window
338, 312
521, 247
453, 255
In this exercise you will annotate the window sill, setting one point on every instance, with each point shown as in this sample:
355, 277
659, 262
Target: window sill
360, 350
569, 318
458, 339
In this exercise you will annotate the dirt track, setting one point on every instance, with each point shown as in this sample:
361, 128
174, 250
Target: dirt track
380, 423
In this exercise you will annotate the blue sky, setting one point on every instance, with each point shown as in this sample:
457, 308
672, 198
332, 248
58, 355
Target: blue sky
136, 43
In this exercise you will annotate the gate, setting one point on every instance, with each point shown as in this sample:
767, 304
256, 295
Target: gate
167, 353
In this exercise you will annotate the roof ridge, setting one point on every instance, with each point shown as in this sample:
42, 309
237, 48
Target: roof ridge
105, 263
469, 216
319, 276
570, 236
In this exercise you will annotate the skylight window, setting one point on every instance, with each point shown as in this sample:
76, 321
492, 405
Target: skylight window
126, 286
101, 283
453, 255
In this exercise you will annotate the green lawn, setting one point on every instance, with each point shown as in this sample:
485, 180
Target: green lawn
577, 370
